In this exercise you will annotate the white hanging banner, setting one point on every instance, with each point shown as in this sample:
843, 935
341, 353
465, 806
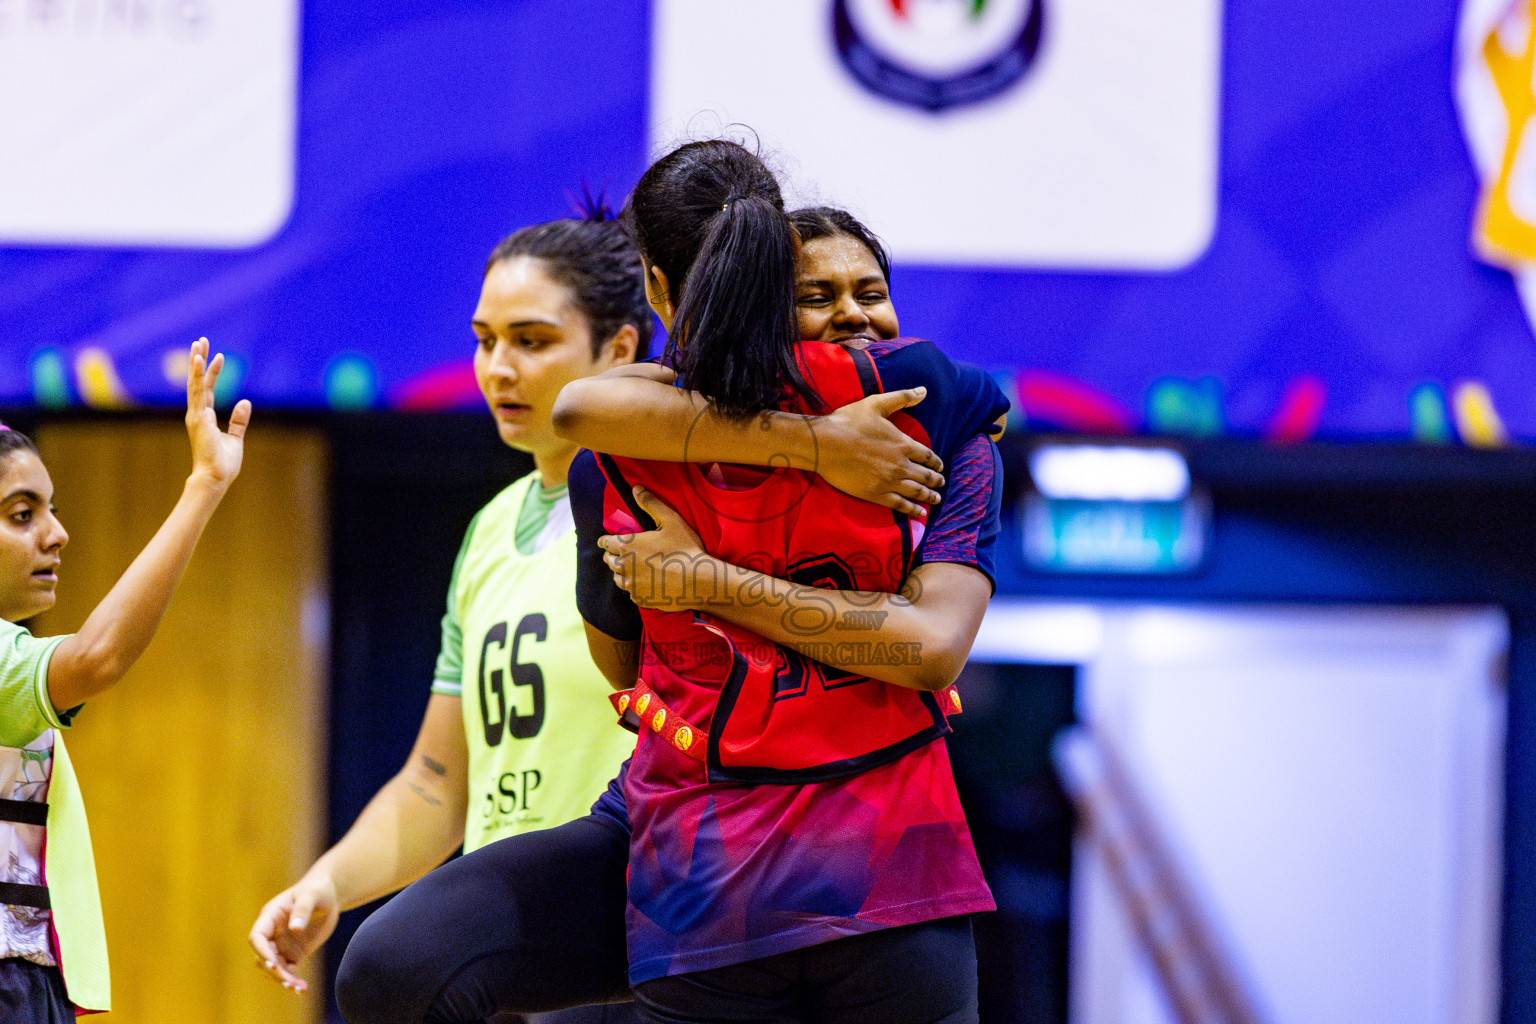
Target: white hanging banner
146, 122
1020, 133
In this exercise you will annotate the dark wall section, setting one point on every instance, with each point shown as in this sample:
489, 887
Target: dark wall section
1021, 822
403, 489
1388, 523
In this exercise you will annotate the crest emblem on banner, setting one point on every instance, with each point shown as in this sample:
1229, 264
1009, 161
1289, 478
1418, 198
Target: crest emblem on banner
937, 54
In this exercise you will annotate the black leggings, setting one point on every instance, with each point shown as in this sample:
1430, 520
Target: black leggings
918, 974
535, 923
527, 924
30, 994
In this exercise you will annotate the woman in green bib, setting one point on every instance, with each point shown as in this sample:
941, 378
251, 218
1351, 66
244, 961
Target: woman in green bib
518, 734
53, 949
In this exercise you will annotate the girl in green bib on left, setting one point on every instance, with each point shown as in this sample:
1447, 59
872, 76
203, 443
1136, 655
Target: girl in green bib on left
53, 956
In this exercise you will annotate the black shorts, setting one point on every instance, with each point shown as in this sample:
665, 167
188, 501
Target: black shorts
30, 994
529, 924
917, 974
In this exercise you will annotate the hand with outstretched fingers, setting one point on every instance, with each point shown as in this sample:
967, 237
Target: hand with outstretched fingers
216, 454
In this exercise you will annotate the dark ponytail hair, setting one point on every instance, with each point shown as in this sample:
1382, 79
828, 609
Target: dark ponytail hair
711, 216
13, 441
594, 257
813, 222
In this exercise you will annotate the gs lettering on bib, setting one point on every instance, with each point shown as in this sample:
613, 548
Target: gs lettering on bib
537, 722
498, 704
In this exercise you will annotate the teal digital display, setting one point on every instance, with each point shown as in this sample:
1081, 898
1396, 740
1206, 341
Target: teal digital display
1141, 537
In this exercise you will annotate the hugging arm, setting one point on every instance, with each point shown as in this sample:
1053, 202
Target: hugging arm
618, 660
919, 638
634, 411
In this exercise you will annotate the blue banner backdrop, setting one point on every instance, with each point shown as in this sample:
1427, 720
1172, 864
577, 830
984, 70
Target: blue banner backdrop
1337, 295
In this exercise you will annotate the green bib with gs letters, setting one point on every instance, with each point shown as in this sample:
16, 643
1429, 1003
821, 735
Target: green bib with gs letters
543, 742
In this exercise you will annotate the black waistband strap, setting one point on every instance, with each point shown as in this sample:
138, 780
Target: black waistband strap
18, 895
23, 812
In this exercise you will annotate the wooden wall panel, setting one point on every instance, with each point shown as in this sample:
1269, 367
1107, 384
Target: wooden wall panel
203, 770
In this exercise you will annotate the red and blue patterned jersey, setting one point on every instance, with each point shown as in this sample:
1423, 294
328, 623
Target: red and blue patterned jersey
726, 871
772, 714
963, 403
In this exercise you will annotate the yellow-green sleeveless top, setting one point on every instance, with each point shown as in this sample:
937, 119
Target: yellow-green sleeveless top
543, 742
26, 714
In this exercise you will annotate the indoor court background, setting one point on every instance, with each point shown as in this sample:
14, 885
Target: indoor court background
1315, 329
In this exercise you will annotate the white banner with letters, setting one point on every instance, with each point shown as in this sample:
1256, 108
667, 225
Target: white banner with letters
146, 122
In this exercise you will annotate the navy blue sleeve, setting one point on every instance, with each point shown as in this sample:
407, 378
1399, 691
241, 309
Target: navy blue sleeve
965, 526
977, 391
962, 400
602, 602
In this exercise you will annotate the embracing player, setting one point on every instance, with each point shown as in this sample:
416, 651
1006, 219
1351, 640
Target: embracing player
518, 735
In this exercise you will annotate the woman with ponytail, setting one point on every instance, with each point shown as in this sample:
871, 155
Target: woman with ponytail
797, 850
518, 737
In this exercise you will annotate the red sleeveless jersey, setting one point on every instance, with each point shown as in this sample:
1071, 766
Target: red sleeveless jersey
772, 714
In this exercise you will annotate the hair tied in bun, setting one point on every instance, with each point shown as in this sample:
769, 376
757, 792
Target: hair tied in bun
591, 207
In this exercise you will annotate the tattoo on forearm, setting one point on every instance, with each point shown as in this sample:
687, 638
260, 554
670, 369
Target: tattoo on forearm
428, 797
436, 767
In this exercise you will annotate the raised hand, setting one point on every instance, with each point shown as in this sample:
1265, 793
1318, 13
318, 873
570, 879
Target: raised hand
862, 453
216, 454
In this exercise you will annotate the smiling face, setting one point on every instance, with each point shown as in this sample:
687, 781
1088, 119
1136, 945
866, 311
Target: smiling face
31, 537
533, 340
841, 294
